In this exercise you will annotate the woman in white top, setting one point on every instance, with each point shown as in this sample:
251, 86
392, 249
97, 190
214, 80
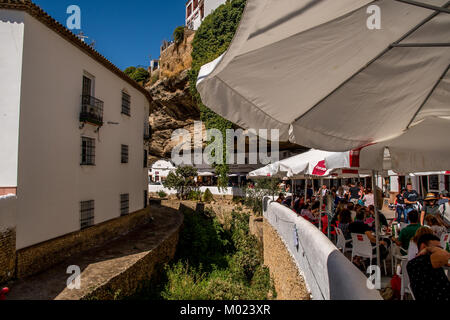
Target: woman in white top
369, 201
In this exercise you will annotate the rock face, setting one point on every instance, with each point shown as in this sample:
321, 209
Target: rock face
172, 108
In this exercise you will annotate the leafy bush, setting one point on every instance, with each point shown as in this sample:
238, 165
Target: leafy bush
254, 196
214, 263
178, 35
182, 180
208, 196
140, 75
195, 195
162, 194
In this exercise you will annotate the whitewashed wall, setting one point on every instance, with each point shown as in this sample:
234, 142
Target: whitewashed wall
329, 275
11, 49
51, 182
214, 190
211, 5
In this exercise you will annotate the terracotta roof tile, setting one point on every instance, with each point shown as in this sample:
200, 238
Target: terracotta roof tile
35, 11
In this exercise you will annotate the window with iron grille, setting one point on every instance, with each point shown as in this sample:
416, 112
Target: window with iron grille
126, 104
87, 151
124, 204
124, 154
86, 214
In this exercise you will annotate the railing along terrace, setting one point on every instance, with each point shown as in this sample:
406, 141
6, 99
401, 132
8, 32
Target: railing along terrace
91, 110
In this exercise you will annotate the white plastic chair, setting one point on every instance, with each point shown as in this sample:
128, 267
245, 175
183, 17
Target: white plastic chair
362, 247
341, 241
445, 238
396, 255
406, 285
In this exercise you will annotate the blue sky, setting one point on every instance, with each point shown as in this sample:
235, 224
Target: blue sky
125, 32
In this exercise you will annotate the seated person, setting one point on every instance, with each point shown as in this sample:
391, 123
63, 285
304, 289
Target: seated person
344, 220
426, 274
358, 226
407, 233
434, 224
412, 250
307, 214
383, 220
351, 207
280, 198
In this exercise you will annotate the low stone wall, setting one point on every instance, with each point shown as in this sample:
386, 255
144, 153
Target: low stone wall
289, 284
42, 256
7, 254
8, 208
129, 282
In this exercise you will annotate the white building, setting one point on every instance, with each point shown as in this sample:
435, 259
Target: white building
198, 10
71, 129
160, 170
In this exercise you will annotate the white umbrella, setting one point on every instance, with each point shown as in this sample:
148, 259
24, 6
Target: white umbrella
431, 173
269, 171
316, 72
422, 148
206, 174
305, 164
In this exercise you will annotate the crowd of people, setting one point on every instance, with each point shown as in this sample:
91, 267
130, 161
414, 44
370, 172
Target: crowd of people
423, 221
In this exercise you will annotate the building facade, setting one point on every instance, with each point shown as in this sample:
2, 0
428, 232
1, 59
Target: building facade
198, 10
72, 129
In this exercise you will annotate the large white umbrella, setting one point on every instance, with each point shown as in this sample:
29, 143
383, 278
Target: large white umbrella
315, 71
305, 164
268, 171
424, 147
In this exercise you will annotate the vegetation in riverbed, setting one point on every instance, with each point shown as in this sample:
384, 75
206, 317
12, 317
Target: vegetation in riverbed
214, 262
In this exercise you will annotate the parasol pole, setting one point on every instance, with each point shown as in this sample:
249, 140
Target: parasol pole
377, 219
292, 193
306, 187
329, 209
321, 203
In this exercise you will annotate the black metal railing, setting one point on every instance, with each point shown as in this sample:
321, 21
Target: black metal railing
91, 110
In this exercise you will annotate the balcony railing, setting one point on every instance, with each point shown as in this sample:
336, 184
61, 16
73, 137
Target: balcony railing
147, 132
91, 110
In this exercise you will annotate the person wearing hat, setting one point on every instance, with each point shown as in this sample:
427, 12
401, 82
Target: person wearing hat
430, 207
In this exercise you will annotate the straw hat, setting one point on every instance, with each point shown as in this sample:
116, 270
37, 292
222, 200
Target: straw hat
430, 196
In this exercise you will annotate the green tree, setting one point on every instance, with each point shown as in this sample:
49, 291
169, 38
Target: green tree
178, 35
140, 75
130, 71
182, 180
254, 196
211, 40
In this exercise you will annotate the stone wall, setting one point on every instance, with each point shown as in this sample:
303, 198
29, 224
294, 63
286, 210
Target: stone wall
42, 256
7, 254
136, 276
289, 284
